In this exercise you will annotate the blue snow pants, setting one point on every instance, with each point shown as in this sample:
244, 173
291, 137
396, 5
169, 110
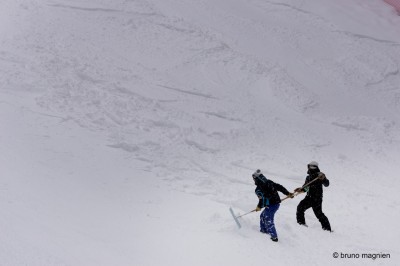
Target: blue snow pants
267, 224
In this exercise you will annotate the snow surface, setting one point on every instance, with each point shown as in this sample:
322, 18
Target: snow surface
129, 127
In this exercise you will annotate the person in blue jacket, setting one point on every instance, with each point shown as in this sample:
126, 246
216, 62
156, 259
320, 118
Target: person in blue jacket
267, 193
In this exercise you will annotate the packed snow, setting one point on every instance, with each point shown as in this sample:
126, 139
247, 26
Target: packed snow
130, 127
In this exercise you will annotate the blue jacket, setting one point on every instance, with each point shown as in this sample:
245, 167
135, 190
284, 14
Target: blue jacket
267, 192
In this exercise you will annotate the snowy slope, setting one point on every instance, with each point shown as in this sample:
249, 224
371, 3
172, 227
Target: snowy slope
130, 127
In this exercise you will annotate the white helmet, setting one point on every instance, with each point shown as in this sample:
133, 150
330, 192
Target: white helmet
313, 165
257, 173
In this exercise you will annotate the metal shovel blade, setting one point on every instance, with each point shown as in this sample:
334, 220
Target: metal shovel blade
235, 218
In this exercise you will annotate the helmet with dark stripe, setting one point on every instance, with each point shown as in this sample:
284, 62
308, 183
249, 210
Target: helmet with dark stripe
312, 165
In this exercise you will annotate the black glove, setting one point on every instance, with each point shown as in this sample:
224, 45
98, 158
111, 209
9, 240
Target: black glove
321, 176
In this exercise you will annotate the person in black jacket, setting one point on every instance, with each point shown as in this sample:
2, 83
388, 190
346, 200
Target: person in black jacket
314, 195
267, 193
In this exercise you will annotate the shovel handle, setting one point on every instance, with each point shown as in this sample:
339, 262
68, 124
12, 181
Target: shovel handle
297, 193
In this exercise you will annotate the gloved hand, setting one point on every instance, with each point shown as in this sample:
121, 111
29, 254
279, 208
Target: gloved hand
291, 195
321, 176
258, 209
298, 190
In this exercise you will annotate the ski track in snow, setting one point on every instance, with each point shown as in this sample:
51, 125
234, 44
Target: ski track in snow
130, 127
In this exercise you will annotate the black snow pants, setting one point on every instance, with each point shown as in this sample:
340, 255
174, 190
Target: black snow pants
316, 205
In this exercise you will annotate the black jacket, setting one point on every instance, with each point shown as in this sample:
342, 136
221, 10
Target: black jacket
267, 192
315, 190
